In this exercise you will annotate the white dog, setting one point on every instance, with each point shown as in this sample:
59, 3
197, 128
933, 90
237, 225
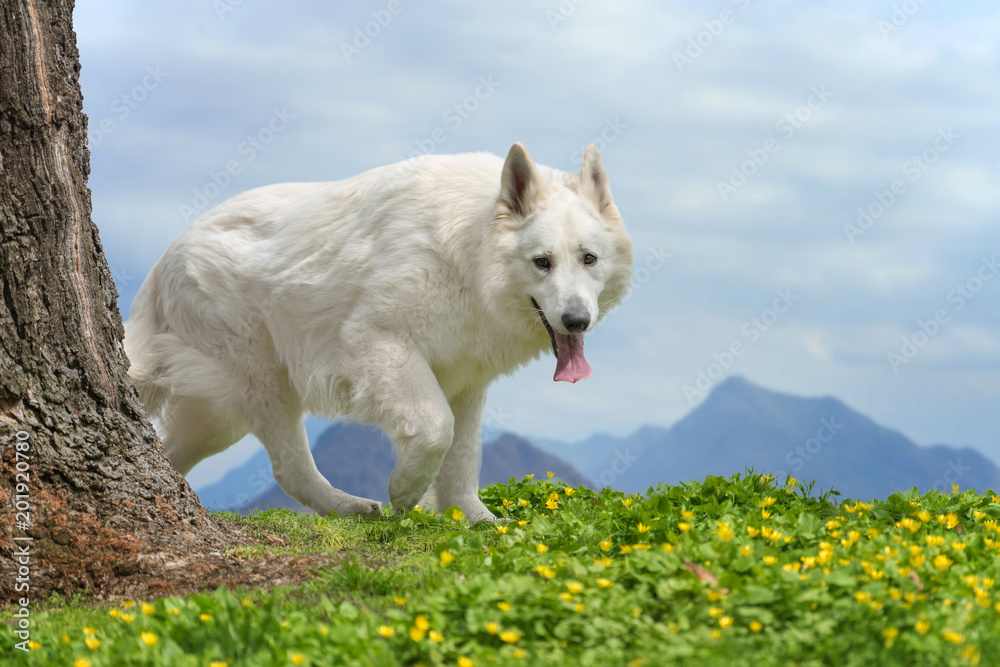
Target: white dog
394, 298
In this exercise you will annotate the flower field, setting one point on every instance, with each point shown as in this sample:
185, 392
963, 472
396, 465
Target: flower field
734, 571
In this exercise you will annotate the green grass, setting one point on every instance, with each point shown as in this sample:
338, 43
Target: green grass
733, 571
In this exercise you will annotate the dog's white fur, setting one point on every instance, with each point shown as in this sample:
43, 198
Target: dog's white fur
394, 298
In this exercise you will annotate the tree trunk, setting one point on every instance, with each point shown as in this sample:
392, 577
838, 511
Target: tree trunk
102, 496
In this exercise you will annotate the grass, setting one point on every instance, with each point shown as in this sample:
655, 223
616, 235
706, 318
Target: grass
729, 571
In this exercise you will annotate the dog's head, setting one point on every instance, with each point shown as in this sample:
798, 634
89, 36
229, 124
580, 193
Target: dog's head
567, 241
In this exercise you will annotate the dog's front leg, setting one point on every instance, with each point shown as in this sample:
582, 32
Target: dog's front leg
457, 483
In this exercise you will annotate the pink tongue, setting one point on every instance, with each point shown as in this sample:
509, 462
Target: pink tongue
570, 364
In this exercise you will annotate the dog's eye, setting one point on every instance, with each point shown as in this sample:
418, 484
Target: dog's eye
589, 259
542, 262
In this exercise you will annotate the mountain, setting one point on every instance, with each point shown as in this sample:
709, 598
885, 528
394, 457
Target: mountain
741, 425
358, 458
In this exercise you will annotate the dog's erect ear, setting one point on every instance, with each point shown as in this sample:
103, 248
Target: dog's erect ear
519, 182
594, 180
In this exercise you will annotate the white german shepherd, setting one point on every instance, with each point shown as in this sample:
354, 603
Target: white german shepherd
394, 298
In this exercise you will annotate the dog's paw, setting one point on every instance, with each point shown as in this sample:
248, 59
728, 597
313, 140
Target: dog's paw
355, 505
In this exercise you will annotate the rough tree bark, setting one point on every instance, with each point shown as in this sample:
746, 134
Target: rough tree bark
103, 497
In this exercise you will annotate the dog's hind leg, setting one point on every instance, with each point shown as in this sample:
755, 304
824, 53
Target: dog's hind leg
192, 431
457, 482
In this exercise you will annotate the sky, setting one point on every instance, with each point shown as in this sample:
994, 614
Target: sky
812, 189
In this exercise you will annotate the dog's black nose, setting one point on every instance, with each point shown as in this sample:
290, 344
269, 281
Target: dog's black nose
576, 318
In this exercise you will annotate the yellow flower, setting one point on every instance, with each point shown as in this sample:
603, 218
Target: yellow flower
148, 638
715, 634
574, 587
436, 636
753, 532
148, 609
725, 621
724, 532
950, 520
541, 548
953, 637
603, 561
492, 627
714, 595
770, 560
128, 618
65, 639
33, 645
568, 597
457, 514
890, 635
922, 626
764, 514
627, 502
416, 634
642, 546
218, 663
297, 658
605, 583
531, 476
923, 515
128, 604
668, 547
863, 597
684, 526
687, 515
522, 523
979, 515
518, 653
510, 636
465, 662
502, 530
942, 562
503, 606
579, 607
767, 501
971, 654
756, 626
173, 612
550, 474
386, 631
446, 558
958, 546
568, 491
205, 617
552, 503
715, 612
934, 540
93, 643
545, 571
400, 601
81, 662
421, 622
626, 548
114, 613
605, 544
90, 632
643, 528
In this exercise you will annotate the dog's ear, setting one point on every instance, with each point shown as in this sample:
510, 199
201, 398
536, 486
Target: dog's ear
594, 182
519, 182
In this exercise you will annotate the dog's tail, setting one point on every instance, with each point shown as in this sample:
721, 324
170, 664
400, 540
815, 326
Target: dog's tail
145, 332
